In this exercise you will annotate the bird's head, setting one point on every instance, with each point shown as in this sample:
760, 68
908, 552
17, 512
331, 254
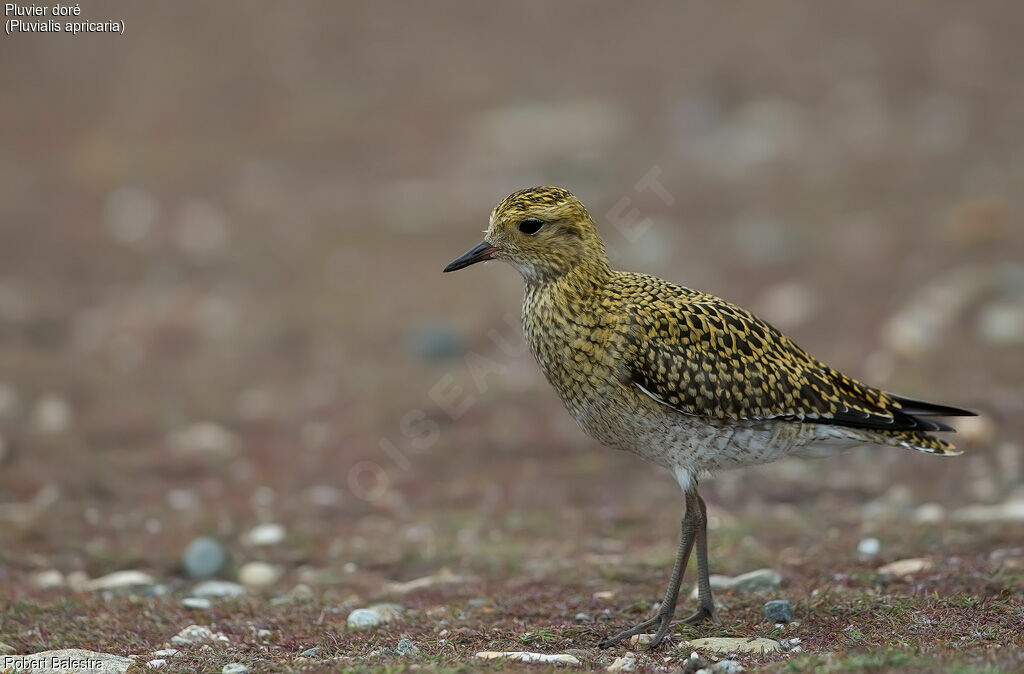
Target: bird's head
544, 232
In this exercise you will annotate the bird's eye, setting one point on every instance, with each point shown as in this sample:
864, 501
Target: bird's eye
530, 225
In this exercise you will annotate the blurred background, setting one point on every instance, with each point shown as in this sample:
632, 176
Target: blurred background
221, 299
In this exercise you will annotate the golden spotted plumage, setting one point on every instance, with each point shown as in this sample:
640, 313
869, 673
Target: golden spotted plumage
681, 378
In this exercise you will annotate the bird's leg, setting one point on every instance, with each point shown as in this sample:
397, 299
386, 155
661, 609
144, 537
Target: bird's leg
689, 532
706, 605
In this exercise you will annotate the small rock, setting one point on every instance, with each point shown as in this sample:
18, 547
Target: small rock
694, 664
436, 342
363, 619
165, 653
1002, 323
156, 663
905, 567
778, 611
197, 603
726, 667
476, 603
265, 534
120, 580
627, 663
206, 439
641, 639
761, 580
930, 513
194, 634
582, 617
299, 594
869, 547
406, 648
264, 635
527, 656
52, 415
604, 595
218, 589
258, 574
62, 661
204, 557
48, 579
314, 652
235, 668
756, 645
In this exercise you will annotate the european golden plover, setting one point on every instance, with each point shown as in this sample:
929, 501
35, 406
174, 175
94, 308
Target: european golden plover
683, 379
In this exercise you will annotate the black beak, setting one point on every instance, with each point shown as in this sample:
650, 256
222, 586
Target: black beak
478, 253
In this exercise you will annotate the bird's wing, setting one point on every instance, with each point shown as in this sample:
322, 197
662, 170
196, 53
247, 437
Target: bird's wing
706, 357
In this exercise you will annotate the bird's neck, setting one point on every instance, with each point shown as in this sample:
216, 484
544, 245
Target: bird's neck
584, 280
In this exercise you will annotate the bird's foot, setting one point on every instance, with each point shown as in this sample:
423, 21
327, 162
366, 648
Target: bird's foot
703, 612
662, 620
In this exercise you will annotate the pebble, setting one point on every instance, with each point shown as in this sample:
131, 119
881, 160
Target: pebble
726, 667
156, 663
527, 656
235, 668
120, 580
265, 535
1010, 511
206, 438
930, 513
869, 547
778, 611
51, 415
627, 663
299, 594
258, 574
406, 648
218, 589
761, 580
363, 619
1002, 323
204, 557
48, 579
605, 595
105, 663
194, 634
641, 639
582, 617
436, 342
197, 603
905, 567
789, 644
314, 652
165, 653
756, 645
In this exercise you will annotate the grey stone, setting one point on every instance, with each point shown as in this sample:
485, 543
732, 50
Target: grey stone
217, 589
582, 617
761, 580
726, 667
757, 646
194, 634
204, 557
66, 660
778, 611
120, 580
869, 547
314, 652
406, 648
235, 668
436, 342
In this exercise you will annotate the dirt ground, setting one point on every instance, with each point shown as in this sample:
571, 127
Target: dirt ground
221, 306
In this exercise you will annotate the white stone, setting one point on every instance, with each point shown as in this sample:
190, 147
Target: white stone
197, 603
443, 577
627, 663
194, 634
119, 580
869, 547
265, 534
218, 588
47, 579
51, 415
756, 645
761, 580
156, 663
206, 438
235, 668
905, 567
363, 619
258, 574
930, 513
527, 656
165, 653
60, 662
